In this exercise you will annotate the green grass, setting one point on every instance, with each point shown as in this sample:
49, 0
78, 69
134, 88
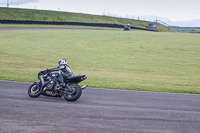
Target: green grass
135, 60
41, 15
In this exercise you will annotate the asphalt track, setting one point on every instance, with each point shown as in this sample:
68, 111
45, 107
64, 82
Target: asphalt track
98, 111
48, 28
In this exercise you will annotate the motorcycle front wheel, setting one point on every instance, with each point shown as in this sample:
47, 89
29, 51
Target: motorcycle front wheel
74, 93
34, 91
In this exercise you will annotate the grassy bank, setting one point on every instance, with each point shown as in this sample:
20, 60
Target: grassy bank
135, 60
42, 15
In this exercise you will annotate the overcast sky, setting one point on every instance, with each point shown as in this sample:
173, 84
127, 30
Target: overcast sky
175, 10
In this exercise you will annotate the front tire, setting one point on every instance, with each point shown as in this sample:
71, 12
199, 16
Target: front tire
34, 91
74, 94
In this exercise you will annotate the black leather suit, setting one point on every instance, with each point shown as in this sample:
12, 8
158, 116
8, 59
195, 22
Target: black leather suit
65, 73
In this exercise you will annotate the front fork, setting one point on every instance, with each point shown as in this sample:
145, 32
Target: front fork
38, 84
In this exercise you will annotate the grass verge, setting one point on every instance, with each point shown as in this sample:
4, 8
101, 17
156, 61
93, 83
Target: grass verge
135, 60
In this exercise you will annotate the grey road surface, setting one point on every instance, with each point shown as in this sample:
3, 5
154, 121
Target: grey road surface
98, 111
47, 28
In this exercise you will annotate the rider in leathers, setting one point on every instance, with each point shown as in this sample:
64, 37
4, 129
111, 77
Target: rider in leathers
63, 67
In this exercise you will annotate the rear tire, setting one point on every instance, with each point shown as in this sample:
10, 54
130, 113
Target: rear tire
75, 94
34, 91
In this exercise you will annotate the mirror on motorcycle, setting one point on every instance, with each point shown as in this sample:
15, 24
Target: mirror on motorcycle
46, 71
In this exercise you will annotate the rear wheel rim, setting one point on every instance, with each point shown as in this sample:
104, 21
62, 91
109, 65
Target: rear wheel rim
72, 93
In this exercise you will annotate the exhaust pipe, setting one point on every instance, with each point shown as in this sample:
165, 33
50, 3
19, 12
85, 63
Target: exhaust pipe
84, 86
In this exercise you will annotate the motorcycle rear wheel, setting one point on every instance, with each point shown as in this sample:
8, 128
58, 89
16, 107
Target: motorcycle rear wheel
74, 95
34, 91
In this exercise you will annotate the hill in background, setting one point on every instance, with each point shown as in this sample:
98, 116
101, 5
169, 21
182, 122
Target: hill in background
186, 29
43, 15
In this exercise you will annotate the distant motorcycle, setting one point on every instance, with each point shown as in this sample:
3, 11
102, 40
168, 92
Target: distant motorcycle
51, 87
127, 28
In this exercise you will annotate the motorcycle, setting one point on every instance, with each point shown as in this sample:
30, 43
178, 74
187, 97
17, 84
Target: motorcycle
127, 28
51, 87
